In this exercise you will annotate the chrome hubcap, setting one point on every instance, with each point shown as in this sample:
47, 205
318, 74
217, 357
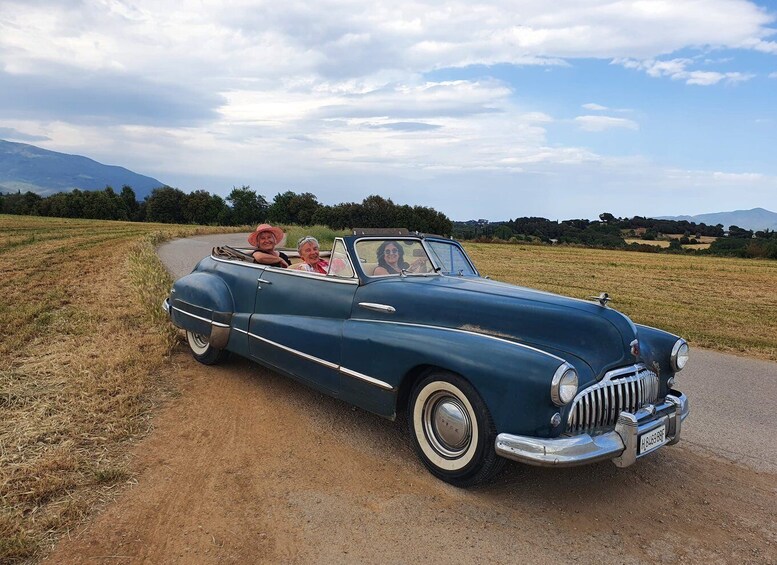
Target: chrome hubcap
197, 342
447, 425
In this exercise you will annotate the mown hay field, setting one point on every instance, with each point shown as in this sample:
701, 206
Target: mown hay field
725, 304
84, 345
83, 353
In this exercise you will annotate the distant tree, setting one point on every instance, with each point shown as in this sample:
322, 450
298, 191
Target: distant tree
503, 232
27, 204
292, 208
248, 207
737, 232
379, 212
131, 204
103, 205
607, 217
165, 204
200, 207
65, 205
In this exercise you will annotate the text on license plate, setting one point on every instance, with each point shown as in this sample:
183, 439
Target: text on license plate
652, 439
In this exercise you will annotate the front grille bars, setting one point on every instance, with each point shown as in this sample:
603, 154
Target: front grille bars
598, 406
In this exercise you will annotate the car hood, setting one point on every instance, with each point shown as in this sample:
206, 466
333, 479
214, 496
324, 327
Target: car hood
597, 335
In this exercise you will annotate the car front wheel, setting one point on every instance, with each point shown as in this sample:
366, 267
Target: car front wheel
203, 351
452, 430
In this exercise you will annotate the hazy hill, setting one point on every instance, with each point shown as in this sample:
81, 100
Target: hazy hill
26, 167
756, 219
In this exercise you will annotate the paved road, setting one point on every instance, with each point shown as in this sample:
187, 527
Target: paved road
733, 399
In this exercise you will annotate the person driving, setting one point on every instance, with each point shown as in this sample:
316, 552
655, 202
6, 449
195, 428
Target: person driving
265, 237
391, 259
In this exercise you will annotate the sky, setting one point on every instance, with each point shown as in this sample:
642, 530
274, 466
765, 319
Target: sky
490, 109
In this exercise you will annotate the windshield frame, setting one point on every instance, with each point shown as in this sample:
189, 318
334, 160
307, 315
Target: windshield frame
432, 256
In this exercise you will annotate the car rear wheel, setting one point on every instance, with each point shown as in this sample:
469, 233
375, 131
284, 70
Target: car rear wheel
452, 430
202, 349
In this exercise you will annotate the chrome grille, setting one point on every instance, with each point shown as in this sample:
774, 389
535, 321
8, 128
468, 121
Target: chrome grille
627, 389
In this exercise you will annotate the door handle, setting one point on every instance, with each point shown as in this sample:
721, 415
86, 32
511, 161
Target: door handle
378, 307
263, 281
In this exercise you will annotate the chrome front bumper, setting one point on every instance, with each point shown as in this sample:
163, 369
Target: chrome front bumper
621, 445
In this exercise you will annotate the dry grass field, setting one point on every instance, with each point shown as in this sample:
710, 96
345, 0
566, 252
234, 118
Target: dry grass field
84, 345
83, 348
704, 241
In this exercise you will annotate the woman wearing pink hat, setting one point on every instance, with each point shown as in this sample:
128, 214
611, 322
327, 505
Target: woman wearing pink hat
265, 237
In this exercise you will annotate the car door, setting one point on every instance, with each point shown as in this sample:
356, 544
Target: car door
297, 323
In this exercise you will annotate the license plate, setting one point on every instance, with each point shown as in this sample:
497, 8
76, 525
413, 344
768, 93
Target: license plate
652, 439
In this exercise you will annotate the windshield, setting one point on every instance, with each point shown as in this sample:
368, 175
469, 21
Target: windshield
451, 258
386, 257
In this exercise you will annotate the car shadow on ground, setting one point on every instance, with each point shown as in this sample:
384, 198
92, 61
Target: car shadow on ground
390, 441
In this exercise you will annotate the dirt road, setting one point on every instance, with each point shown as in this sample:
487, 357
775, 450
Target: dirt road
250, 467
246, 466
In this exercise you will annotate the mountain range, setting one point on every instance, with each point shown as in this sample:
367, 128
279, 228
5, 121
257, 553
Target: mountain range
28, 168
756, 219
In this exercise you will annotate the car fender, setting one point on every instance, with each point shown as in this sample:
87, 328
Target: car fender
202, 303
512, 379
656, 352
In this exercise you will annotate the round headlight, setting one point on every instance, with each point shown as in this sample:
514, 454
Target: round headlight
679, 354
563, 388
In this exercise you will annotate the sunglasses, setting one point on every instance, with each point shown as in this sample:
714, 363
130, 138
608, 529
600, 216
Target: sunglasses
391, 251
307, 239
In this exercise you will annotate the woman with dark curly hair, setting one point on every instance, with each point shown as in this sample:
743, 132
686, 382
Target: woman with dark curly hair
391, 259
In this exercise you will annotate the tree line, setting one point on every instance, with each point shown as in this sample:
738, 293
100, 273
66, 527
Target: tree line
243, 206
610, 232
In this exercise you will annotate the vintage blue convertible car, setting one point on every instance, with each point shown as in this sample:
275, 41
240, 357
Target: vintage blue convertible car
484, 371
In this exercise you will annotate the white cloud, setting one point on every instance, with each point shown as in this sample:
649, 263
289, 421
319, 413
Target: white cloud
738, 177
253, 40
297, 92
677, 69
602, 123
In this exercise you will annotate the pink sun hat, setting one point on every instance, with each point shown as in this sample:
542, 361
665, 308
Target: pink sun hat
253, 237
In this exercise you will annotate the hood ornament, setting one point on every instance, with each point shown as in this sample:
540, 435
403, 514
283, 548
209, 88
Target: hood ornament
603, 298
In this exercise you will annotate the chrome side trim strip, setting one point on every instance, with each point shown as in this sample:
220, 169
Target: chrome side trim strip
467, 332
217, 324
366, 378
378, 307
328, 364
